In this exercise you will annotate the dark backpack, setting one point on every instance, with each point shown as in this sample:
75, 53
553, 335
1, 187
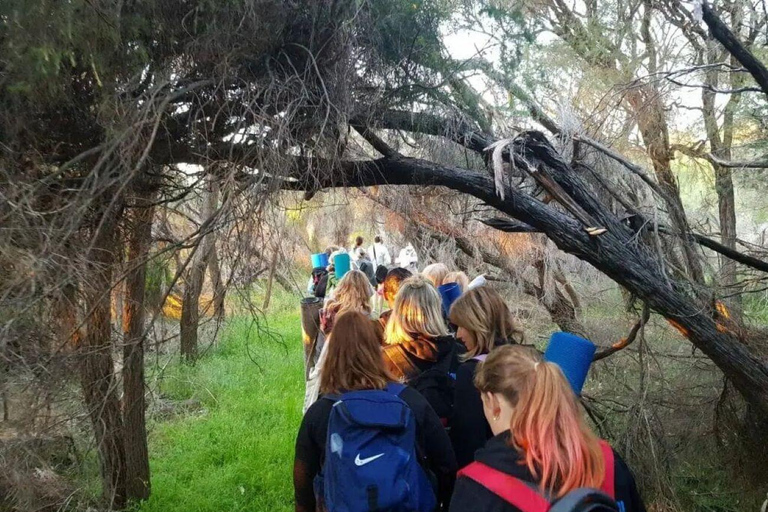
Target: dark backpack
437, 385
527, 498
366, 267
381, 274
319, 281
371, 460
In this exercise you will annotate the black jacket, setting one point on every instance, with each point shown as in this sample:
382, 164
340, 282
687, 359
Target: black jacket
469, 428
432, 441
408, 359
470, 496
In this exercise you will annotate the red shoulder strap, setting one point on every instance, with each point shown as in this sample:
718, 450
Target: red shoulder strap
608, 486
506, 487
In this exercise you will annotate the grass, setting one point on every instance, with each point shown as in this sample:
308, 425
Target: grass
237, 453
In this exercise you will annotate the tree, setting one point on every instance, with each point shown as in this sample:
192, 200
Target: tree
267, 98
136, 451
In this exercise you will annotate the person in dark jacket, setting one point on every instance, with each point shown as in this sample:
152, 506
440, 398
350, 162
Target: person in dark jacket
389, 288
540, 438
483, 322
418, 349
416, 336
354, 362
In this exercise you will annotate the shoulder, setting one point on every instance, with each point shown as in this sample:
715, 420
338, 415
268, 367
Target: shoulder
467, 368
318, 412
470, 496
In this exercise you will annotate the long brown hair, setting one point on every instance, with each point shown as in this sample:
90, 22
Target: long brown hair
547, 426
483, 312
354, 359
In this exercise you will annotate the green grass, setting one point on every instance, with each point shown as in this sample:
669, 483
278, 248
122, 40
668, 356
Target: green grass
237, 454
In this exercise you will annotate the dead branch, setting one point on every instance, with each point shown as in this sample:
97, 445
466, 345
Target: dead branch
625, 342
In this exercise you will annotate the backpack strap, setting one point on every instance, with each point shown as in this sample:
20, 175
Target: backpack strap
608, 486
510, 489
395, 388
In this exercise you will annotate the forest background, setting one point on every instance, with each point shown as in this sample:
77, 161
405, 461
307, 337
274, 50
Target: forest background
167, 168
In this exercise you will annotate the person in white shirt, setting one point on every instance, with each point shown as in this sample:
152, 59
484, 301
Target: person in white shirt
408, 258
379, 254
353, 252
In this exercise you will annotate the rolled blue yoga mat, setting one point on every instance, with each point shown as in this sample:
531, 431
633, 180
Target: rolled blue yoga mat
341, 263
319, 260
573, 354
449, 292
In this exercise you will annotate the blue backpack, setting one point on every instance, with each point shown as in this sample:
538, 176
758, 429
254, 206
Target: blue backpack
371, 462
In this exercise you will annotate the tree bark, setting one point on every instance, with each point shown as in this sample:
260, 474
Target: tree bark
720, 146
723, 34
219, 290
649, 110
136, 451
97, 367
271, 279
193, 286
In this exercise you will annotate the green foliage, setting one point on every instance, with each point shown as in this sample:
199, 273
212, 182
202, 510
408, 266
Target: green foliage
409, 29
238, 454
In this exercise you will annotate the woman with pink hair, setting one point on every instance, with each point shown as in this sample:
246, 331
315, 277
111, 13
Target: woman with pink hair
542, 448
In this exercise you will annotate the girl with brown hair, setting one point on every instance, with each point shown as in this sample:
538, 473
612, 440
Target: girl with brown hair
542, 448
484, 321
353, 293
354, 363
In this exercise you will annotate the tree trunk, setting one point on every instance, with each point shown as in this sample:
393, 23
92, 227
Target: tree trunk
136, 452
272, 272
219, 290
720, 146
649, 110
193, 286
97, 367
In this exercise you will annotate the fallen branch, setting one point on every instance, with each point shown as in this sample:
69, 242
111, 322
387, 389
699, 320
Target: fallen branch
625, 342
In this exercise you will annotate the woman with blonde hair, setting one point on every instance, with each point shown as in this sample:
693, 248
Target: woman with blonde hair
354, 363
435, 273
418, 349
542, 448
483, 322
459, 278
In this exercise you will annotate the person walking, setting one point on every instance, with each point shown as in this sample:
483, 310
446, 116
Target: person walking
418, 350
404, 441
379, 253
542, 448
483, 323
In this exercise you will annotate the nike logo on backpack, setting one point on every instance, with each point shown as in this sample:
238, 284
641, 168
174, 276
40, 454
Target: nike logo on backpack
363, 462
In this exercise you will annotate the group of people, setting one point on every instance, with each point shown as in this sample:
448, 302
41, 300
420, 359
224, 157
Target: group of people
494, 426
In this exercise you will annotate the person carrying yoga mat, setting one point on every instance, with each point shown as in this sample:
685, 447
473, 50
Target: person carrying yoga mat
542, 448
